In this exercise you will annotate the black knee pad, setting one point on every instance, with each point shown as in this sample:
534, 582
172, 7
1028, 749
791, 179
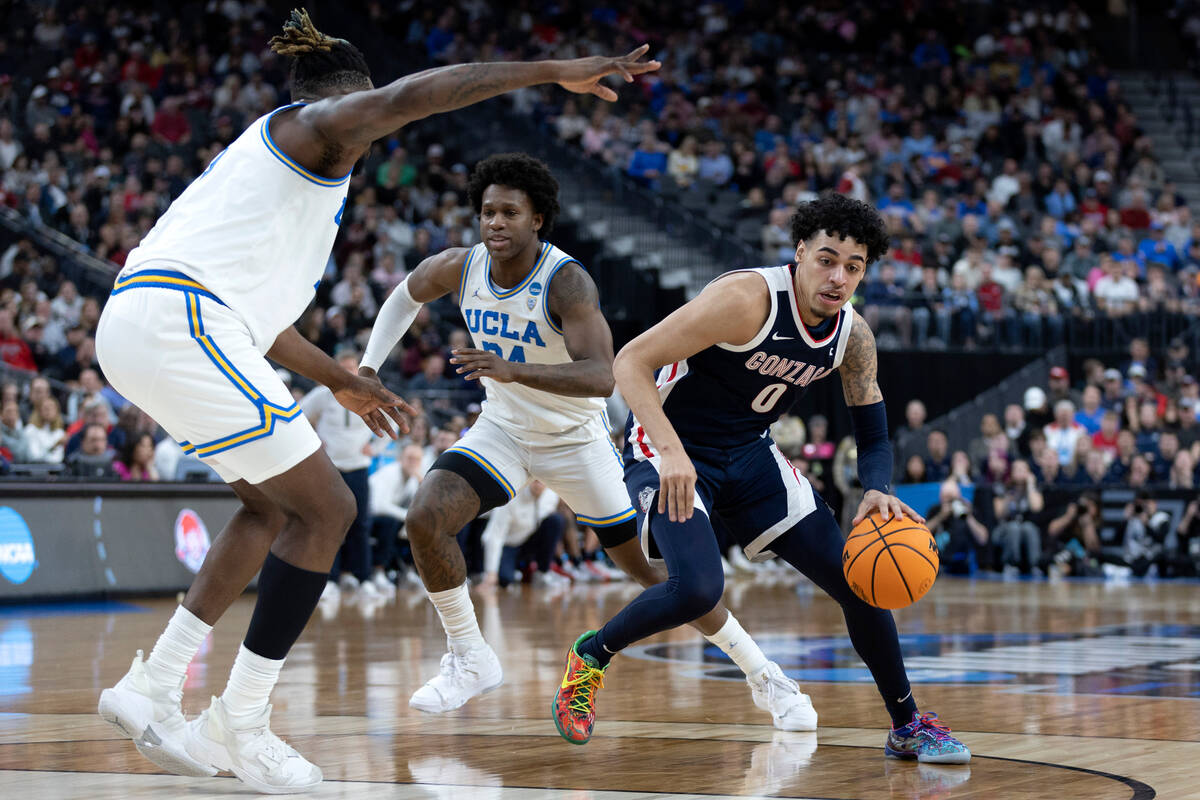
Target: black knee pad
619, 534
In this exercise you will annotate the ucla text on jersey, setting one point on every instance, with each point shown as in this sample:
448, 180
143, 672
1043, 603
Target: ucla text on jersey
516, 325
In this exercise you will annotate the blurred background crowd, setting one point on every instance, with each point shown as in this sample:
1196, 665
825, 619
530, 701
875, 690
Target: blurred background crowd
1028, 208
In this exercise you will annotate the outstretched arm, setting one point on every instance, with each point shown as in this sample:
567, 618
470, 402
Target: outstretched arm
572, 298
434, 277
332, 133
860, 385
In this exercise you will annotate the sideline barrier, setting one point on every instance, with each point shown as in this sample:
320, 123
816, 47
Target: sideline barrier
60, 540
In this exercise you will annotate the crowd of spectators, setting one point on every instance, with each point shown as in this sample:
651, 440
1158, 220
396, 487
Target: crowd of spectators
1129, 430
105, 117
1025, 201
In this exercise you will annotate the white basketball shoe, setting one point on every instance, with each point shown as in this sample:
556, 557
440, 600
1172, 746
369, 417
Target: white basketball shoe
151, 715
460, 678
791, 709
258, 757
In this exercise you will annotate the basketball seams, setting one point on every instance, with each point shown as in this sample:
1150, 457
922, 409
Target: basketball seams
900, 573
907, 546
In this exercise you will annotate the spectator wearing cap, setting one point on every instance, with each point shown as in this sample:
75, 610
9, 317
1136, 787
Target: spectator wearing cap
1064, 432
1139, 355
1113, 390
1059, 386
1037, 408
1081, 260
1155, 248
1189, 423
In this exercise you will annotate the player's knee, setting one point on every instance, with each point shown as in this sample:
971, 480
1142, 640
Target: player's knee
699, 594
421, 524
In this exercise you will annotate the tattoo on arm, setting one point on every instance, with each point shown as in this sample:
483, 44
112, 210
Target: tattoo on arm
859, 367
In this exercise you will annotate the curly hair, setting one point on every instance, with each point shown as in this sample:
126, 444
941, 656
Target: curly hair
843, 218
517, 171
319, 62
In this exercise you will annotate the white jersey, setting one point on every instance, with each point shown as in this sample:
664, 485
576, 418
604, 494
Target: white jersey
516, 325
255, 229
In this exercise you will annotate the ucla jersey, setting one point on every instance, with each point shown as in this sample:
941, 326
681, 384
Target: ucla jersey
726, 395
516, 325
255, 229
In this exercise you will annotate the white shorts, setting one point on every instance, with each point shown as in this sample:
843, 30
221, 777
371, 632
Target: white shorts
588, 476
174, 350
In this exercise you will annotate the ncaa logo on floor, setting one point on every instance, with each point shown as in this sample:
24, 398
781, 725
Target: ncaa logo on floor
17, 558
1151, 660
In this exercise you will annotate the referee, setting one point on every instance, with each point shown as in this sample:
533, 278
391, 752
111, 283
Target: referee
347, 441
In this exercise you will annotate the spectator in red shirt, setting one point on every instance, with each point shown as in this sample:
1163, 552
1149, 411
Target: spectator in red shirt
170, 125
13, 349
999, 319
1135, 215
1105, 439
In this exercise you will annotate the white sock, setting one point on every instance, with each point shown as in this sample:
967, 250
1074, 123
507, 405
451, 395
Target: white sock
175, 649
250, 683
738, 645
458, 618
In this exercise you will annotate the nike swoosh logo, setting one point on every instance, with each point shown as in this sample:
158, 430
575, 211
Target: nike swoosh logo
775, 337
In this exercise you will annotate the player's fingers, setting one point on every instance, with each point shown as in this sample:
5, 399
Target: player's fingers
400, 420
642, 67
372, 422
604, 93
688, 499
908, 511
637, 52
885, 511
860, 516
662, 498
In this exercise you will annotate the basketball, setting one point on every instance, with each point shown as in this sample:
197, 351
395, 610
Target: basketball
890, 564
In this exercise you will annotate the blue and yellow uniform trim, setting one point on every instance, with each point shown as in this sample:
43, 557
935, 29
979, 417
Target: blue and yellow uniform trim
562, 262
268, 413
504, 294
487, 466
606, 522
162, 279
466, 270
289, 163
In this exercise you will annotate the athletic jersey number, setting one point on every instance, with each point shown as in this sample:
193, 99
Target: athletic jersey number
768, 397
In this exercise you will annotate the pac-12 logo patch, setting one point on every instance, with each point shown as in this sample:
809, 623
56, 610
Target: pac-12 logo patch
191, 539
17, 558
646, 498
531, 302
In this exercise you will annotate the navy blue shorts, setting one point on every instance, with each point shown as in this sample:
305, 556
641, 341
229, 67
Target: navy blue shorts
754, 490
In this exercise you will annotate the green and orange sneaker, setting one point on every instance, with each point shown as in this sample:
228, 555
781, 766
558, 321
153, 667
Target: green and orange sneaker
574, 707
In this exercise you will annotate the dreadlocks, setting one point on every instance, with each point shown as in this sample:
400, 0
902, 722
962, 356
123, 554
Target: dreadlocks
319, 62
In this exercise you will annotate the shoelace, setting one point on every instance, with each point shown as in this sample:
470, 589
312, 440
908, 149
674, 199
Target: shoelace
587, 680
270, 745
937, 729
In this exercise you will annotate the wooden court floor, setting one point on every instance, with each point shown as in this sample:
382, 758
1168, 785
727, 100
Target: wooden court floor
1065, 690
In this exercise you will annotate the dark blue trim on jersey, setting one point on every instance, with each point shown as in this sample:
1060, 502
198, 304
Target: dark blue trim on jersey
288, 162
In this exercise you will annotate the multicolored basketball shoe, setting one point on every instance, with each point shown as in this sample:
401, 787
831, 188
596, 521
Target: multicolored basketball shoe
574, 707
927, 740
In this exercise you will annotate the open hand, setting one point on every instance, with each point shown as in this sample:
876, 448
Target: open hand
888, 505
475, 364
582, 75
366, 396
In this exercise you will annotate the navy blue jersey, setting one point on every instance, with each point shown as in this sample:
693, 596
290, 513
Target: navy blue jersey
727, 396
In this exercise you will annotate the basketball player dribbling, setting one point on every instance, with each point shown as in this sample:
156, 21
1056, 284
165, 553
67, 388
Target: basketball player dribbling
729, 363
211, 292
543, 352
